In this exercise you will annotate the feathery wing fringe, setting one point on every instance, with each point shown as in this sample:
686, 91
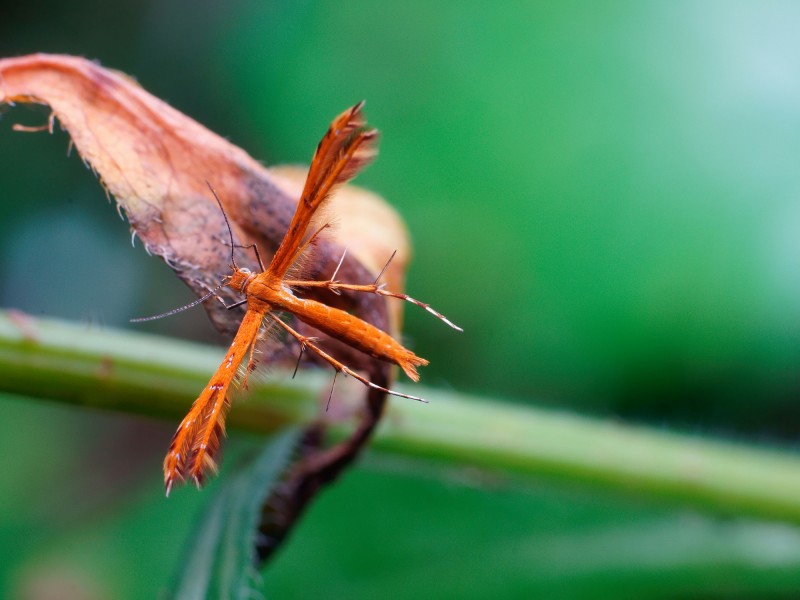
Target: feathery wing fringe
197, 440
347, 147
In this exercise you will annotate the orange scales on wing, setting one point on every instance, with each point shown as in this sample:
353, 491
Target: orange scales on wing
346, 148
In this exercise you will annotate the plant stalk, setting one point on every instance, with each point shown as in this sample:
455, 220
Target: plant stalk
150, 375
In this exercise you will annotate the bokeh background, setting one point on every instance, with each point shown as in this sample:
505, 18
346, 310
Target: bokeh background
605, 195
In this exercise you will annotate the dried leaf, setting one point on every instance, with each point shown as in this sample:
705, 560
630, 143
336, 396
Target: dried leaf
155, 162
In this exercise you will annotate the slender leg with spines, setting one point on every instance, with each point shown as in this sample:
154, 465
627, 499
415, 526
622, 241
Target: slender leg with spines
306, 342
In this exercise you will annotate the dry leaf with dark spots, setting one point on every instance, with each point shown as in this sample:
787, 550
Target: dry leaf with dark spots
155, 162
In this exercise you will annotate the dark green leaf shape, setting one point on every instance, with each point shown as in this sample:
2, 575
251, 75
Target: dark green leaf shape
220, 559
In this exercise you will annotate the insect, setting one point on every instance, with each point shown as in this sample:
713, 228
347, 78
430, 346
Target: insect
346, 148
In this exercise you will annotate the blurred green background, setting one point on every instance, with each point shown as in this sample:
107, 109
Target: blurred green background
604, 195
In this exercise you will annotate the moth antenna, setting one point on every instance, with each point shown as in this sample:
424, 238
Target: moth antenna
175, 311
386, 266
227, 223
230, 234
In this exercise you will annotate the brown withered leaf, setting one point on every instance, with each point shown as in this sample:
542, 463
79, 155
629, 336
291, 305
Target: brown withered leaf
155, 162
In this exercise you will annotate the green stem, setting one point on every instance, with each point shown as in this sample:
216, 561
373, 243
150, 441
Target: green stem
150, 375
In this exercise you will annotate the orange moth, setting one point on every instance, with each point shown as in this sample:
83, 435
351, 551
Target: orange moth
347, 147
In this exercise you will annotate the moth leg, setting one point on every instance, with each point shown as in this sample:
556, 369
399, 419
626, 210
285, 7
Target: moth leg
310, 343
372, 288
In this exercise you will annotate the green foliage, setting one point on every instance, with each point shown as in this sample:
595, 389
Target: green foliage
603, 194
493, 463
220, 561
